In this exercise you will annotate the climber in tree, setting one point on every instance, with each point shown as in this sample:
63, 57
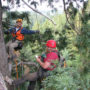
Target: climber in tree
17, 38
46, 62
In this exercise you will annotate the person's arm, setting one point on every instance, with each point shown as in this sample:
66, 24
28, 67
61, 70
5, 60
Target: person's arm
44, 65
9, 30
25, 31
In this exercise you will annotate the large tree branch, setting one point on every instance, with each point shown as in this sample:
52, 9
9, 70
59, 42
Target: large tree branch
67, 18
39, 12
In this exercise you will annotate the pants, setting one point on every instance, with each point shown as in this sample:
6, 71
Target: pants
10, 48
32, 77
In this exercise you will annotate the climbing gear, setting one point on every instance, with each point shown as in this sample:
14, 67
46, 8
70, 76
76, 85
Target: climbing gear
51, 43
65, 64
20, 45
19, 20
42, 73
61, 59
18, 35
16, 66
16, 69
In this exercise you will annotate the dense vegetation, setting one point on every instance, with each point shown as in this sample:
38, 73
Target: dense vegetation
72, 42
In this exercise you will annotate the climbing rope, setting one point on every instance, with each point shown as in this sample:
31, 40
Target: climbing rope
16, 69
17, 75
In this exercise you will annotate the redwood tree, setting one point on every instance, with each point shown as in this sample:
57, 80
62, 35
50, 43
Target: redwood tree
3, 56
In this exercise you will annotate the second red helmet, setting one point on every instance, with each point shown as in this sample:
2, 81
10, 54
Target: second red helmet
51, 43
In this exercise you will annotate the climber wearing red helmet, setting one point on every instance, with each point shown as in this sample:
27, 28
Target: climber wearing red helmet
50, 56
46, 62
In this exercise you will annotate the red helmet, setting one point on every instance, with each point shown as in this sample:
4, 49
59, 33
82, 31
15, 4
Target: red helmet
51, 43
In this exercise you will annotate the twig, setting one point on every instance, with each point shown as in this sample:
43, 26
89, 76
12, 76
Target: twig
39, 12
67, 18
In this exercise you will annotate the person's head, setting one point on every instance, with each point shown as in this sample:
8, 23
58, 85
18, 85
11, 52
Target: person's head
50, 45
19, 22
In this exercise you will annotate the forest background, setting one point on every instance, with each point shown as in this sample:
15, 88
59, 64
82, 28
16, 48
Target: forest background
72, 35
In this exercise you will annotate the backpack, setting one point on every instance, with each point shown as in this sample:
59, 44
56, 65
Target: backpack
61, 59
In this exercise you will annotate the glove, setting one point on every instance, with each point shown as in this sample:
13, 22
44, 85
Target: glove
37, 31
6, 32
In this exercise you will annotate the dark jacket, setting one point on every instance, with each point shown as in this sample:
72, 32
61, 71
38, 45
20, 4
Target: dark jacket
23, 31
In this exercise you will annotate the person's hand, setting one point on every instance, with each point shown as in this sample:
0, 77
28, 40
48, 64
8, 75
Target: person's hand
37, 31
38, 59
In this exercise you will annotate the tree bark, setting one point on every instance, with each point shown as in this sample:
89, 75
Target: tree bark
68, 19
3, 56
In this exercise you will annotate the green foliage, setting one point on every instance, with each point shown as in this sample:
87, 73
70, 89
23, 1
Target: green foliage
77, 55
75, 47
64, 79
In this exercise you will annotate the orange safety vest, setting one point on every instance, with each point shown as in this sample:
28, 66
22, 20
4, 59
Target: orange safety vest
18, 35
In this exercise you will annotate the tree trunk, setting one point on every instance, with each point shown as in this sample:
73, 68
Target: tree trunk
3, 56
